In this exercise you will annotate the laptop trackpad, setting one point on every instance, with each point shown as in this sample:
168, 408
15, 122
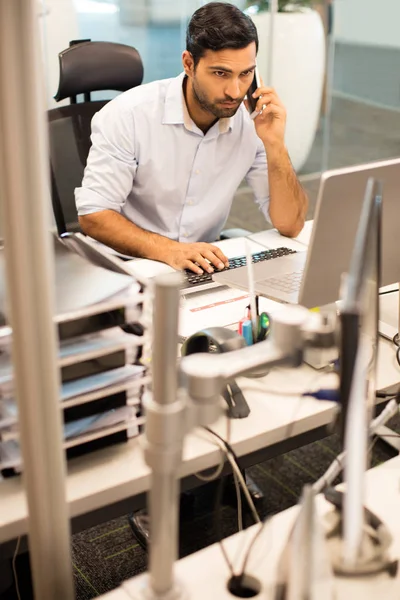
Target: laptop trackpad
279, 266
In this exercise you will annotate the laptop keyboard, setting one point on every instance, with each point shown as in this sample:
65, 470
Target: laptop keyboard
193, 280
288, 283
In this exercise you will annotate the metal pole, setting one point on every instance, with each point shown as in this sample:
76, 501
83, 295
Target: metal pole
330, 72
164, 434
30, 285
272, 14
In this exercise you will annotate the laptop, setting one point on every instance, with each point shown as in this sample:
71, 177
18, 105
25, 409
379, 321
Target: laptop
313, 278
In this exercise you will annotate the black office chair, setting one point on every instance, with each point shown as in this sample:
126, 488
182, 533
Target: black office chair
85, 67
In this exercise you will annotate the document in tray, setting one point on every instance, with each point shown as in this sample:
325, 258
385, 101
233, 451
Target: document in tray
8, 414
76, 433
100, 421
73, 351
80, 387
86, 425
219, 307
10, 454
90, 346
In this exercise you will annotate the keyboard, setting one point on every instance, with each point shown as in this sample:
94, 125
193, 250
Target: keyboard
196, 282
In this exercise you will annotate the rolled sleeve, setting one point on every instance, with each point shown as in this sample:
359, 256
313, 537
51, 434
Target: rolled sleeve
257, 179
111, 165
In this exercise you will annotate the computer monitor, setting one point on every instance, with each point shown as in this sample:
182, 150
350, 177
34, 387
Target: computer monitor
359, 306
338, 211
337, 215
359, 310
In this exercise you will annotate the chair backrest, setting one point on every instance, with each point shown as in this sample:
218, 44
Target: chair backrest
84, 67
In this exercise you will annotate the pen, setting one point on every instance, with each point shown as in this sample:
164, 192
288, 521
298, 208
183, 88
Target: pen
253, 310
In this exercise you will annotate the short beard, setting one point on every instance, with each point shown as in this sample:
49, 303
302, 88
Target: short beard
211, 107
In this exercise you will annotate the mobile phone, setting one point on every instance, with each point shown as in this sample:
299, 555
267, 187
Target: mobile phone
256, 83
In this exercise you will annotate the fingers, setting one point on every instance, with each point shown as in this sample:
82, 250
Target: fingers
266, 100
219, 254
191, 266
214, 260
267, 97
271, 110
263, 91
200, 259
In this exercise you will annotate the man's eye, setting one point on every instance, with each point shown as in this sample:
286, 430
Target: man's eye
247, 73
219, 73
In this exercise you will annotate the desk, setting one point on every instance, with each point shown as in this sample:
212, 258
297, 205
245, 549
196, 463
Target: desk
113, 476
111, 482
266, 552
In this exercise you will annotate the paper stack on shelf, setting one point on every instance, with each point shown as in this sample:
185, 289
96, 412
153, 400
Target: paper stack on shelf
101, 334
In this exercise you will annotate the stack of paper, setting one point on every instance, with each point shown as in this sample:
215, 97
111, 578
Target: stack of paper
101, 378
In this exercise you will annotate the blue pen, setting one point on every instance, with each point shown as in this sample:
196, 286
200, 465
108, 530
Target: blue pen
247, 332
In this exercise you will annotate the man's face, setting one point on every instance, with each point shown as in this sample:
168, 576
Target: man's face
221, 79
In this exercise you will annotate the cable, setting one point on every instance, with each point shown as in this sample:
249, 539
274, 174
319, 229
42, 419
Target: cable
396, 342
287, 435
336, 466
233, 460
251, 546
216, 474
235, 479
239, 502
389, 292
217, 526
238, 479
331, 394
14, 567
334, 469
386, 395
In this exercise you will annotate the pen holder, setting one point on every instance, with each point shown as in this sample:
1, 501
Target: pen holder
245, 329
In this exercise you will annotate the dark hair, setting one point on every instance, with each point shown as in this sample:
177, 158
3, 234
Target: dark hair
216, 26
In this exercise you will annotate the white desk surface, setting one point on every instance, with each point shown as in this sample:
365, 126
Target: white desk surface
382, 497
113, 474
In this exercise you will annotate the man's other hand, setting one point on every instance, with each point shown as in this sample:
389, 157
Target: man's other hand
198, 257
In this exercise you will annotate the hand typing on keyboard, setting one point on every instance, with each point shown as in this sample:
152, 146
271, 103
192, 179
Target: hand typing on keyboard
194, 280
199, 257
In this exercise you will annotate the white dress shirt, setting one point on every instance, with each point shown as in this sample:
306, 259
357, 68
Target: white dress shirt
151, 163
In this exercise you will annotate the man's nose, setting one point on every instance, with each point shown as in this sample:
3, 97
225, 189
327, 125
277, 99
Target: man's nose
233, 90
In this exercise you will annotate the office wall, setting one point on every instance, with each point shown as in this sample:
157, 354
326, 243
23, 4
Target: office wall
59, 25
368, 22
367, 50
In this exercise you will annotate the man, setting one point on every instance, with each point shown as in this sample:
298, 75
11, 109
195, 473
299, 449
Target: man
168, 157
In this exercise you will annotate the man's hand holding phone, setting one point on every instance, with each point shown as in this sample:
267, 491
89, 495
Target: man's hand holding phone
267, 111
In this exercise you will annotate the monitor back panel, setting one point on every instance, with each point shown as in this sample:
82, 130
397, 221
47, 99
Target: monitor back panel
339, 204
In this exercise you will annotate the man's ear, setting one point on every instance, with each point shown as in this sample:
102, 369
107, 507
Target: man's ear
188, 63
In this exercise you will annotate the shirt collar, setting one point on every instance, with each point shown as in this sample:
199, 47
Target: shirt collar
176, 112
